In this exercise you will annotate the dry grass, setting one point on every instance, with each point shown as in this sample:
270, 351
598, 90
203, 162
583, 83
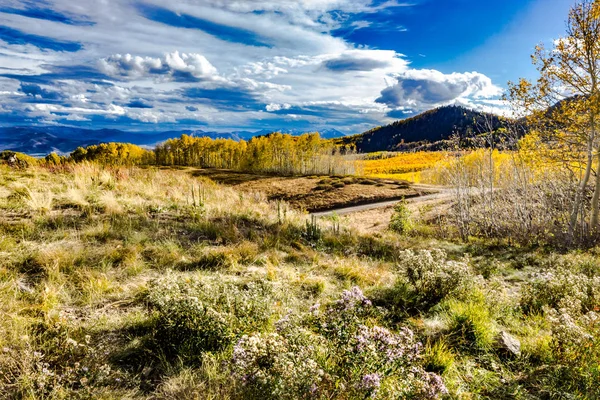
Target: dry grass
87, 261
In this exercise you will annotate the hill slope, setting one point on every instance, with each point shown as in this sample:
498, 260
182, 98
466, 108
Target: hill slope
431, 126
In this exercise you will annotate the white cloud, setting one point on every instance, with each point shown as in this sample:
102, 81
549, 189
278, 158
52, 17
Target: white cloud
76, 118
168, 67
278, 107
304, 66
422, 89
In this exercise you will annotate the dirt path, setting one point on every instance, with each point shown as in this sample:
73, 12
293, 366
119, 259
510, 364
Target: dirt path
443, 194
375, 217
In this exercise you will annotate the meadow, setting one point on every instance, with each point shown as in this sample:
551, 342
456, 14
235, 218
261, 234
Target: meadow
145, 283
403, 166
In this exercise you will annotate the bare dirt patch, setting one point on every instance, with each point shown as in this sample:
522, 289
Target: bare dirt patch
315, 193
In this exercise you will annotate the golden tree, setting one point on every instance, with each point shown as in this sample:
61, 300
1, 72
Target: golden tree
564, 103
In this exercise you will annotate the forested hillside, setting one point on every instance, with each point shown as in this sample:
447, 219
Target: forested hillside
432, 126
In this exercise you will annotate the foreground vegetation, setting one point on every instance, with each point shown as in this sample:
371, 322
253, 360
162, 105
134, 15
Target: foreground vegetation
145, 283
152, 283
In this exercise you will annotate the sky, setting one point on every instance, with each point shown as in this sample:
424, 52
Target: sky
226, 65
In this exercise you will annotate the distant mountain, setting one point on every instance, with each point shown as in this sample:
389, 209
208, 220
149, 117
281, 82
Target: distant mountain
42, 140
429, 127
47, 139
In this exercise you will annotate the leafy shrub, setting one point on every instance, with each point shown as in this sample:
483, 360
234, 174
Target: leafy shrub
312, 231
60, 362
427, 277
277, 365
193, 316
333, 352
576, 350
401, 221
562, 287
323, 187
188, 327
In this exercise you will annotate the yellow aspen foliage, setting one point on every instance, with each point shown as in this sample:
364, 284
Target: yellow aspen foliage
275, 153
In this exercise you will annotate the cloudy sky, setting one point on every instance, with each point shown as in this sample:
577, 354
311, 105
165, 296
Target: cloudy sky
224, 65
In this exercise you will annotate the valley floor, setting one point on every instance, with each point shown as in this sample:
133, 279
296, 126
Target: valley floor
316, 193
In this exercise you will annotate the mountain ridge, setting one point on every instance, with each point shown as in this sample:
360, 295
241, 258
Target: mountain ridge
436, 125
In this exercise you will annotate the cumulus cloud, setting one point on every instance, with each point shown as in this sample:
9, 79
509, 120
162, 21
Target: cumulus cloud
173, 66
278, 107
422, 89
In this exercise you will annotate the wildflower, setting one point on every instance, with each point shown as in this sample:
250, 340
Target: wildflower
353, 298
279, 362
380, 343
434, 386
284, 323
371, 382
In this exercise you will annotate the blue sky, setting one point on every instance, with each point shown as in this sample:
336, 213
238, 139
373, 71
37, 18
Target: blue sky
153, 65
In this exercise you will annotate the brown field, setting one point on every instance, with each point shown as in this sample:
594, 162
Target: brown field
315, 193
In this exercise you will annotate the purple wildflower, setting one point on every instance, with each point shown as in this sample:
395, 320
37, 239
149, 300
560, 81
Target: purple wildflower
434, 386
353, 298
370, 383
